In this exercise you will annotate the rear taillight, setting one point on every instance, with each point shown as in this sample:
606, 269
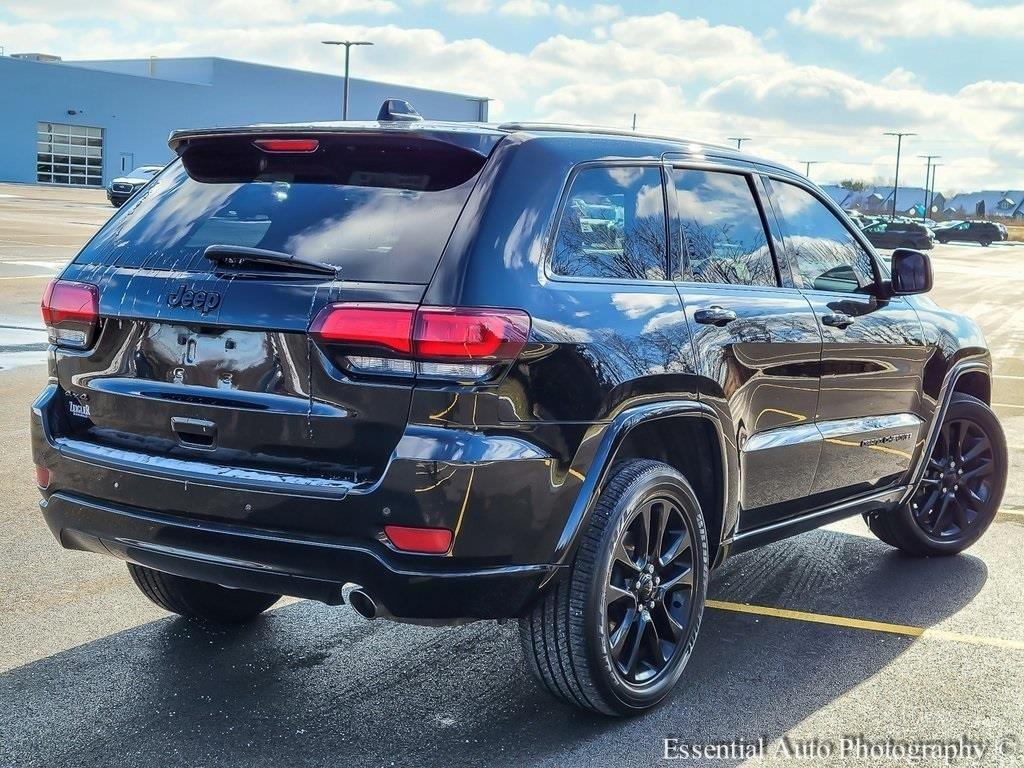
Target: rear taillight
470, 344
71, 313
42, 477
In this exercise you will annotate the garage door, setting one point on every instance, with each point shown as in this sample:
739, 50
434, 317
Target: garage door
69, 154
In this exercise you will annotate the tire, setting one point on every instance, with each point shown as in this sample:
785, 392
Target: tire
985, 243
567, 635
200, 601
964, 518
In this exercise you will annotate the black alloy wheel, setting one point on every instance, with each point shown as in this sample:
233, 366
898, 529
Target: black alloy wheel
615, 635
958, 481
649, 590
960, 491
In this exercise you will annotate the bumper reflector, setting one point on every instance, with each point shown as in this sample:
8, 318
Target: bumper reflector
427, 541
42, 477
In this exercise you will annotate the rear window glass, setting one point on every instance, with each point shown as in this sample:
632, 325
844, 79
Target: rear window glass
380, 211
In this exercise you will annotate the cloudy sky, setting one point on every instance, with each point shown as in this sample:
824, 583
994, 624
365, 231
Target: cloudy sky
805, 79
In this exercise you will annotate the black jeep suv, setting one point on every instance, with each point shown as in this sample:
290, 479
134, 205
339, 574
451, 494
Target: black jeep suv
984, 232
899, 234
456, 372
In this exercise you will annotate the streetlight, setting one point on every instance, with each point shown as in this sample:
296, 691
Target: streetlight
739, 140
896, 183
932, 194
348, 45
927, 183
808, 164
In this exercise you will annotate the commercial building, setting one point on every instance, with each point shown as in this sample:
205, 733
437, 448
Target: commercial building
86, 122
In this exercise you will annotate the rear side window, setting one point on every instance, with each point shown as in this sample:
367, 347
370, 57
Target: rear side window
380, 209
827, 256
723, 233
613, 225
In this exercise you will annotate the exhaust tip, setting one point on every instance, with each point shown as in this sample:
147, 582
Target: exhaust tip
362, 603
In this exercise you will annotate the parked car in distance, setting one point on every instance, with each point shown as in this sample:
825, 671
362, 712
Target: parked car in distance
899, 234
984, 232
450, 372
123, 187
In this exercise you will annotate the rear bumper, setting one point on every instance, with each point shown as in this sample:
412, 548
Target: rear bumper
247, 559
503, 496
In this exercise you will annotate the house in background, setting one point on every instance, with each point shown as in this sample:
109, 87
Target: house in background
910, 201
878, 200
840, 195
987, 204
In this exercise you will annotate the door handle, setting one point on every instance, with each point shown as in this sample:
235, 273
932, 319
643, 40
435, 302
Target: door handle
714, 316
838, 320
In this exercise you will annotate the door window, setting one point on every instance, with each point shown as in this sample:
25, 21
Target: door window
723, 234
826, 255
613, 225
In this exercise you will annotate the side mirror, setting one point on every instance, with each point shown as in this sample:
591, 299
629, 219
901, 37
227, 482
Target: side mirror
911, 272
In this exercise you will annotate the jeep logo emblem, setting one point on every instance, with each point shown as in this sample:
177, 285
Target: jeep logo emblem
184, 297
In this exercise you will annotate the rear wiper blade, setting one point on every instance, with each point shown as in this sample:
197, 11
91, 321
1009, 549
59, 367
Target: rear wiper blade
237, 256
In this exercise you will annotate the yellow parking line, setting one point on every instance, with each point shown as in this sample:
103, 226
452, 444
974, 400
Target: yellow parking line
28, 277
872, 626
1006, 405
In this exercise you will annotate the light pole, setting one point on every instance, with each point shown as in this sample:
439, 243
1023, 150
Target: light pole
739, 140
808, 164
348, 45
927, 184
896, 184
931, 194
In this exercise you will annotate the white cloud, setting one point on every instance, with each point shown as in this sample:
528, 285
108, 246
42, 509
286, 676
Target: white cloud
468, 6
870, 21
900, 78
526, 8
140, 12
811, 95
594, 14
1006, 94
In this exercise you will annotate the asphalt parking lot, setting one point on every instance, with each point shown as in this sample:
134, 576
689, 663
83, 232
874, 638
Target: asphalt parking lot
824, 636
